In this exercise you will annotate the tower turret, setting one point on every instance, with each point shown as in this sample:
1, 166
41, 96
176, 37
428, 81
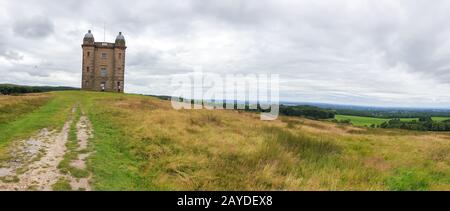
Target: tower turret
88, 38
120, 40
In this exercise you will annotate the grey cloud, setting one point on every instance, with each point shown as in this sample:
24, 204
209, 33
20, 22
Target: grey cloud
6, 53
372, 52
35, 71
34, 27
11, 55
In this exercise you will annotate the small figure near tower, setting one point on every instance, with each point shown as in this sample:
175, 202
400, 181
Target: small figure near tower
103, 64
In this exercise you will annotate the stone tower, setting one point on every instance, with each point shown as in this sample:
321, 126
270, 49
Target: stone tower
103, 64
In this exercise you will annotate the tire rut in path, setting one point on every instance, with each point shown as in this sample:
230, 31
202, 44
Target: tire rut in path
84, 133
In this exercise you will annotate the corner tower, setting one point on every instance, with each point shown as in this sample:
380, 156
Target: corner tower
103, 64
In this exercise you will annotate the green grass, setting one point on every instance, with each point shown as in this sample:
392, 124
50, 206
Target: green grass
113, 165
141, 143
440, 119
409, 180
62, 185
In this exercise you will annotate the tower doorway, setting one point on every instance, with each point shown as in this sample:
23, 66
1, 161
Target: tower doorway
102, 86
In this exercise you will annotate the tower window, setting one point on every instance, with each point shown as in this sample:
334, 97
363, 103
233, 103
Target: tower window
88, 53
103, 72
87, 69
120, 55
104, 55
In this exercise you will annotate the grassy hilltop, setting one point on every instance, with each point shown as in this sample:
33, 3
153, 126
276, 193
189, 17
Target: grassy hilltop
141, 143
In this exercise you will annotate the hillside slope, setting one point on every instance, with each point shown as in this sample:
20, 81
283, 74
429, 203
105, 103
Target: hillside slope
141, 143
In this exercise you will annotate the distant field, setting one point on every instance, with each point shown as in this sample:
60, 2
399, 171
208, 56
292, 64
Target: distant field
440, 118
361, 121
367, 121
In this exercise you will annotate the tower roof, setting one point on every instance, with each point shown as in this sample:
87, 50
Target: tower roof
120, 36
89, 35
120, 40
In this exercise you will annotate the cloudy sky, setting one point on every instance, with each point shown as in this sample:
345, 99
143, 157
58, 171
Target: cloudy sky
380, 52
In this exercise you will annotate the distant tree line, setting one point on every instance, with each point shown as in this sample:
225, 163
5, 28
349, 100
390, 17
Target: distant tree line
10, 89
424, 124
391, 114
306, 111
345, 121
310, 112
162, 97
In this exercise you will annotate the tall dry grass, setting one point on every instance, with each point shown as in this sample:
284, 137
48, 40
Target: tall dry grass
230, 150
12, 107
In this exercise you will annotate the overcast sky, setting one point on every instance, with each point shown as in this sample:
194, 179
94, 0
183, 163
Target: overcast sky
382, 53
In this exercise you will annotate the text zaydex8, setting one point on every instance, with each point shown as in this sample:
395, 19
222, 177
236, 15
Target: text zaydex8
226, 201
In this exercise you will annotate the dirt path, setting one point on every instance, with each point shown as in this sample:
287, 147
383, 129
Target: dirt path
34, 162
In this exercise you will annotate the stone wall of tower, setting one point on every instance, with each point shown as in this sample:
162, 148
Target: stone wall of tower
103, 66
119, 69
103, 63
88, 72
